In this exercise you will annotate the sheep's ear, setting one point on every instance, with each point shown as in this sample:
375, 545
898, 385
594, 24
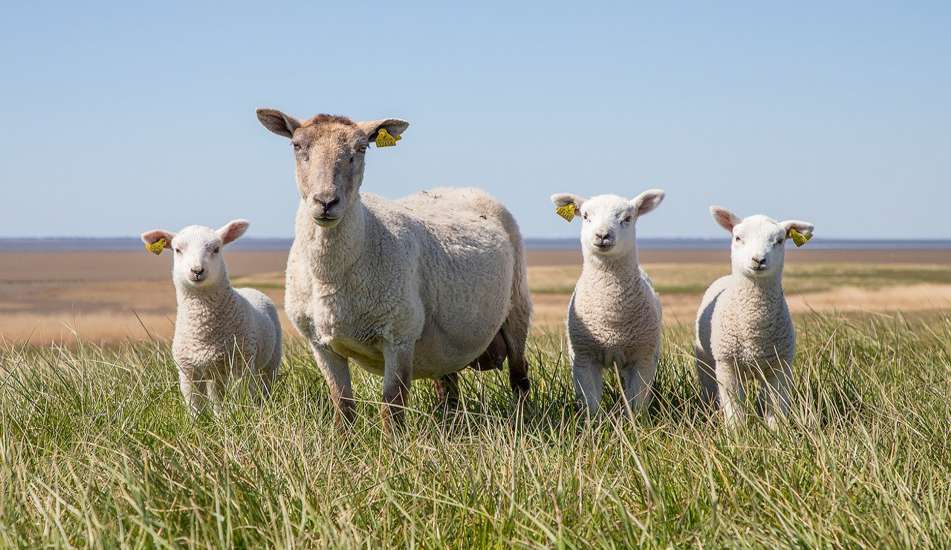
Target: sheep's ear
804, 228
232, 230
647, 201
727, 220
278, 122
393, 127
157, 240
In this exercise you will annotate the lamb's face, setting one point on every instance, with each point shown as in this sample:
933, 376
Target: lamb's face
329, 152
758, 249
608, 221
197, 252
607, 225
197, 257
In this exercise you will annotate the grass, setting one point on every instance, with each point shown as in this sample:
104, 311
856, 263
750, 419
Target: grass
97, 450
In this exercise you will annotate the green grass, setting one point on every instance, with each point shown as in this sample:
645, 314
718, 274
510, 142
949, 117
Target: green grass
96, 450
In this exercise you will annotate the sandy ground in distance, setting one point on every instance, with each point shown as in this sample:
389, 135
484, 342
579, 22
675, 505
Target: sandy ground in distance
110, 296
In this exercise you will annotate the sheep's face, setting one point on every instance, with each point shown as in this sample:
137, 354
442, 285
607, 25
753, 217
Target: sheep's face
608, 221
329, 152
758, 249
196, 250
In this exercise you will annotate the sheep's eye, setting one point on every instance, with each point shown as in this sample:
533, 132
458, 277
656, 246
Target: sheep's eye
779, 240
584, 216
216, 250
737, 238
178, 250
626, 220
297, 147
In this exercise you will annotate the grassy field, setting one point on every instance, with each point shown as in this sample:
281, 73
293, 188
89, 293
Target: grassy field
96, 450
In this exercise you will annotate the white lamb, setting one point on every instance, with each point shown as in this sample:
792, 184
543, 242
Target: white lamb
744, 330
419, 287
220, 332
614, 318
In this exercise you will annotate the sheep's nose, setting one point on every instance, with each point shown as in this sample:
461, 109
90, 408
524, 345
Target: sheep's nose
759, 261
603, 236
198, 270
325, 203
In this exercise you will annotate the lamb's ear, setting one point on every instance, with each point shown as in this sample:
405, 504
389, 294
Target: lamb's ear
805, 228
278, 122
564, 199
154, 237
232, 230
393, 126
647, 201
727, 220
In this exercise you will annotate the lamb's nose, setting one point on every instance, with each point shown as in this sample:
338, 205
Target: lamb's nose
759, 262
603, 236
198, 270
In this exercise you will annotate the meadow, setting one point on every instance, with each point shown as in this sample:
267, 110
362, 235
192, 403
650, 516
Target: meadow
96, 450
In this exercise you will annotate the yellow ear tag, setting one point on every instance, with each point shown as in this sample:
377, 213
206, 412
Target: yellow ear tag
157, 247
798, 237
566, 211
384, 139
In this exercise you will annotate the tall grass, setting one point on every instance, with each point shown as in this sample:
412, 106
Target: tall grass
96, 449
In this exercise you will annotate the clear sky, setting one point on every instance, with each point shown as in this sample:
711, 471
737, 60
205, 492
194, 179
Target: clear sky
118, 119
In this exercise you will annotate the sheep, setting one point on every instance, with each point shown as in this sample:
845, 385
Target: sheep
614, 316
220, 332
419, 287
743, 328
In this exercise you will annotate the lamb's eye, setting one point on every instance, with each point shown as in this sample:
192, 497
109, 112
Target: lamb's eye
216, 250
626, 220
297, 147
737, 238
779, 240
178, 250
584, 216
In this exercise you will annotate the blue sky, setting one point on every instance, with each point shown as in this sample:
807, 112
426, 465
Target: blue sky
120, 118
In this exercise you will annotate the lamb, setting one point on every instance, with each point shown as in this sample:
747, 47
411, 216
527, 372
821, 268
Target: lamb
419, 287
744, 330
220, 332
614, 317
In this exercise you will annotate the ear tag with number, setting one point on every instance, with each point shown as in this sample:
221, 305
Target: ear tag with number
798, 237
566, 211
384, 139
157, 247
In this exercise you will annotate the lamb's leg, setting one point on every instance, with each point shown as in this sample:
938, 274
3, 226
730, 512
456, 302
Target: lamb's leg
447, 389
637, 380
337, 374
193, 392
216, 393
706, 375
589, 383
397, 377
774, 395
730, 393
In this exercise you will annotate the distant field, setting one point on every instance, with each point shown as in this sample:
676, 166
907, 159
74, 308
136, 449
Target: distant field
122, 295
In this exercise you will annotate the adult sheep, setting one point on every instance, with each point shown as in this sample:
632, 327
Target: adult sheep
419, 287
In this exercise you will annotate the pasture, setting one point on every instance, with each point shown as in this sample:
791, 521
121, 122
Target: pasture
96, 448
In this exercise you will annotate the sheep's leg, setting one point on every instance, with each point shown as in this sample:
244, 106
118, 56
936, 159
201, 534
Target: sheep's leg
706, 374
337, 374
774, 395
397, 377
589, 383
447, 389
515, 332
730, 393
637, 380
